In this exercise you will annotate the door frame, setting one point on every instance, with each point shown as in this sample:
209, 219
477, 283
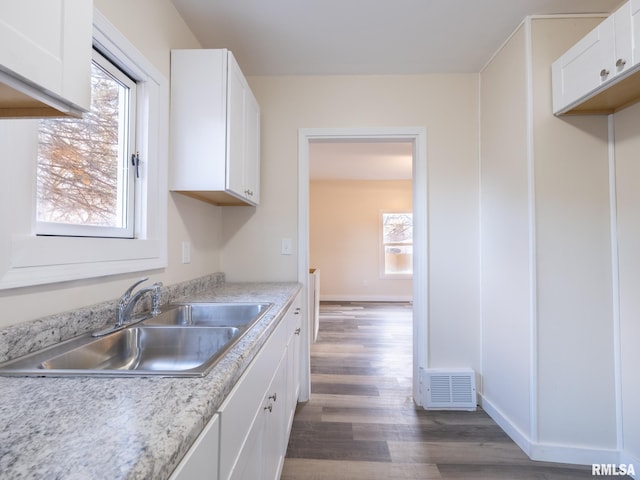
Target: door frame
418, 137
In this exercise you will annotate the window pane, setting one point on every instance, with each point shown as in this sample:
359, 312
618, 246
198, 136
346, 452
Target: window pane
397, 227
82, 164
397, 244
398, 259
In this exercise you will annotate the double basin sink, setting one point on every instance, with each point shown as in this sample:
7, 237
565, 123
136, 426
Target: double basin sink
182, 340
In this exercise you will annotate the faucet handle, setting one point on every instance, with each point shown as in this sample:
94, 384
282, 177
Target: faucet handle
155, 299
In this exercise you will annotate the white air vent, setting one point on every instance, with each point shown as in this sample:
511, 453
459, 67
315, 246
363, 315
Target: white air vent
449, 389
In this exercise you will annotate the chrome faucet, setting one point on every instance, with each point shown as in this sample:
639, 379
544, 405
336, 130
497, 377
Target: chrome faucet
127, 303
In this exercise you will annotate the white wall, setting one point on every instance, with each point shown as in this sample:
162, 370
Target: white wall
627, 146
345, 235
547, 299
188, 219
573, 248
447, 106
506, 236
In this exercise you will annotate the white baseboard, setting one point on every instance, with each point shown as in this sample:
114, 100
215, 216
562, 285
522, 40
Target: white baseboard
366, 298
519, 437
551, 452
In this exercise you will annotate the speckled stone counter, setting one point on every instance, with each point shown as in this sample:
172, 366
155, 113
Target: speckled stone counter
124, 428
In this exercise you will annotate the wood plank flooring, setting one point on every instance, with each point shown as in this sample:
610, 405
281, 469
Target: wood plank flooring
361, 422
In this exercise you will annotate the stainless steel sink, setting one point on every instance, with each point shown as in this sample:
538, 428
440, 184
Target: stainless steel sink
183, 340
162, 350
210, 314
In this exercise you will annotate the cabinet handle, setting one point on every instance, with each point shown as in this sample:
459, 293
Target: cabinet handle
621, 63
604, 73
297, 332
269, 407
273, 397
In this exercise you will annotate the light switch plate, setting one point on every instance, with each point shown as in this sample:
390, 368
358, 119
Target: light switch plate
186, 251
287, 246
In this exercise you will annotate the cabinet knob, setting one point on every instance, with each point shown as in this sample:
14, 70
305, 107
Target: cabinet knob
621, 63
604, 73
269, 407
273, 397
297, 332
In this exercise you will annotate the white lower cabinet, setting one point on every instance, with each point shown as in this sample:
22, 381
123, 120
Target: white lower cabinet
256, 416
275, 432
255, 419
294, 318
201, 461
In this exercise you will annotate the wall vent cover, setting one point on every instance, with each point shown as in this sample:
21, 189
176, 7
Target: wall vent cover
449, 389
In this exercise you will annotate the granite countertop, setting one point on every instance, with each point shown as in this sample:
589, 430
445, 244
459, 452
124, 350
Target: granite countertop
124, 428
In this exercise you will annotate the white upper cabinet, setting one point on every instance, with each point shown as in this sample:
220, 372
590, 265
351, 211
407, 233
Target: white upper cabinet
599, 74
215, 125
45, 58
584, 67
635, 30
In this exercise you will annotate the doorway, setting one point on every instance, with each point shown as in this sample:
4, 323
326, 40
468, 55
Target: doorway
416, 136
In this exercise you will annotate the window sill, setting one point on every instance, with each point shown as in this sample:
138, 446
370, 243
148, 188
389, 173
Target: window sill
42, 260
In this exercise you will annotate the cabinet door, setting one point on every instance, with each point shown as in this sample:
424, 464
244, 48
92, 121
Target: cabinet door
201, 461
249, 464
583, 68
48, 43
243, 408
252, 149
623, 59
274, 439
634, 6
236, 121
293, 360
198, 97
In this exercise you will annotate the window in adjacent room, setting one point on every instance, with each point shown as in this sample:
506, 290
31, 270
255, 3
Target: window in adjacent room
84, 184
397, 245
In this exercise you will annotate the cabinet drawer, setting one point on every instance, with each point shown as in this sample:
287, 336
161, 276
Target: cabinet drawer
245, 402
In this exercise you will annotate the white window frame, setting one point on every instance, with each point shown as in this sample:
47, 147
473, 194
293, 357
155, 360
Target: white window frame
383, 274
27, 259
127, 123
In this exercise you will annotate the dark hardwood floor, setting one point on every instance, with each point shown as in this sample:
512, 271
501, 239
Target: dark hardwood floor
361, 422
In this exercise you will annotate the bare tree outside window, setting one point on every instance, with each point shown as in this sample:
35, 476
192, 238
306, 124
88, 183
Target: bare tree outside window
82, 174
397, 241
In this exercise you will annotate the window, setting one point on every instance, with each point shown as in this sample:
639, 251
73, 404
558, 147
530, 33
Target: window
32, 255
397, 245
84, 184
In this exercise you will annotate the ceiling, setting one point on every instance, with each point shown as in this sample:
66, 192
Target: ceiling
360, 37
340, 37
360, 160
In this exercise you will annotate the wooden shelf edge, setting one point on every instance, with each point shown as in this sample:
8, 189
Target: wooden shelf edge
216, 198
611, 98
